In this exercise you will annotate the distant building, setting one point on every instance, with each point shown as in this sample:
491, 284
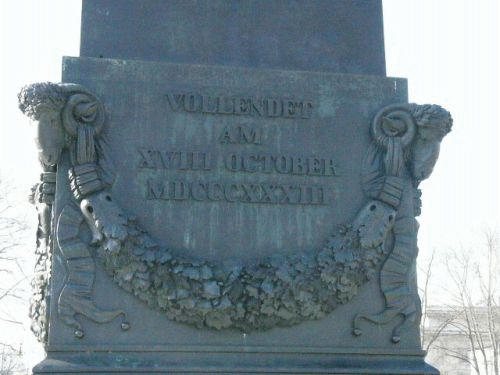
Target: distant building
454, 332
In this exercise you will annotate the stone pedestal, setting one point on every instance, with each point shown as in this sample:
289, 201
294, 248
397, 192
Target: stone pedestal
236, 186
155, 110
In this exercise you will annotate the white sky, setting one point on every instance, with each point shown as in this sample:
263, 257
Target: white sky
448, 50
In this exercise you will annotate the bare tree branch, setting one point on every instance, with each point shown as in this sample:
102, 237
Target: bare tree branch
474, 313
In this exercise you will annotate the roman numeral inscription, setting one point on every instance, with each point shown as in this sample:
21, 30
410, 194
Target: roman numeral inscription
177, 190
174, 160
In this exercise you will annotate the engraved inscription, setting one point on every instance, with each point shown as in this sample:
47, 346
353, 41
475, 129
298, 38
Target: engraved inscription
242, 134
282, 164
300, 194
160, 187
174, 160
240, 105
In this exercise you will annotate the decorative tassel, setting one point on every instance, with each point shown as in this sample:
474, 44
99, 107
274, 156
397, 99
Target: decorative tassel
394, 160
47, 188
392, 191
84, 180
85, 146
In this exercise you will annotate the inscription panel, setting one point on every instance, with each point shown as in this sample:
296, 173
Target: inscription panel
236, 164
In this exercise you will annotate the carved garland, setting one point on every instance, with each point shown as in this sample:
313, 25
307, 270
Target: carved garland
278, 291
